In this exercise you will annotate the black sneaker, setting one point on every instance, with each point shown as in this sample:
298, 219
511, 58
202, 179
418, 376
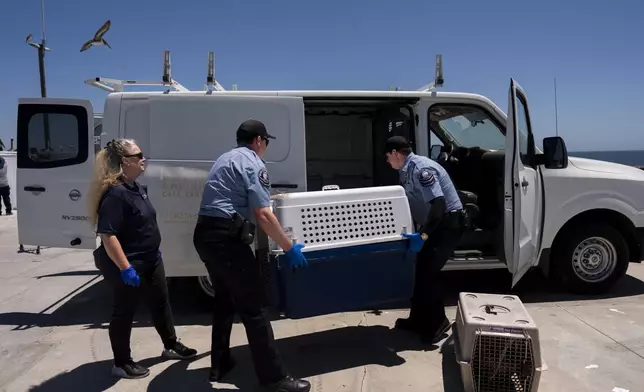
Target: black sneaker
130, 369
288, 384
435, 335
218, 373
408, 324
179, 351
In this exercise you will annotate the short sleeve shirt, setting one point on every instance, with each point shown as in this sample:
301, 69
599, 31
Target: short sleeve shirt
126, 212
237, 183
424, 180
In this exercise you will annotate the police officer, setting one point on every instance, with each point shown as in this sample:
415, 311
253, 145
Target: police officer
435, 205
235, 198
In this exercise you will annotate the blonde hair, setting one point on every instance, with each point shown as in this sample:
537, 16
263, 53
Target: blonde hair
107, 172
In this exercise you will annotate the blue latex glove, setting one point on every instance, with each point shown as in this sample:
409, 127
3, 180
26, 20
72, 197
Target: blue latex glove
295, 257
130, 277
415, 242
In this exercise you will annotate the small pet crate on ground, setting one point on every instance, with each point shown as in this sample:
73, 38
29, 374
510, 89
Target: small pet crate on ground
496, 344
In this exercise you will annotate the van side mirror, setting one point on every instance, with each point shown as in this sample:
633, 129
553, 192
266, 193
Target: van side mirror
555, 154
435, 151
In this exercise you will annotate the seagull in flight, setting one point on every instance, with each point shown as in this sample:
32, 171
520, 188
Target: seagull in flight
98, 38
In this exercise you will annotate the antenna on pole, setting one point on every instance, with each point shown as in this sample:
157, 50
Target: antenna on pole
556, 111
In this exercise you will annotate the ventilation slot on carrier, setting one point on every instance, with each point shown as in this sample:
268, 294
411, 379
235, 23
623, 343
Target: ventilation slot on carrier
347, 221
344, 217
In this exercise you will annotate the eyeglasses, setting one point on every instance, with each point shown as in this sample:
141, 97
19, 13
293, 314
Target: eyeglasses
266, 140
138, 155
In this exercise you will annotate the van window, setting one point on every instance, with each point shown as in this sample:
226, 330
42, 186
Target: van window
522, 124
469, 126
52, 136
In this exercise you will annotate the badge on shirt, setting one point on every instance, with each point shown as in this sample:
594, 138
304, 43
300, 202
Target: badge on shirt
263, 177
426, 177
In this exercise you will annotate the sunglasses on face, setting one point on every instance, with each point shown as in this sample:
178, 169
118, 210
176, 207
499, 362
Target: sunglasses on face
137, 155
266, 140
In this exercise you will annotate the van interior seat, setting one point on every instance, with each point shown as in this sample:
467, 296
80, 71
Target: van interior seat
479, 172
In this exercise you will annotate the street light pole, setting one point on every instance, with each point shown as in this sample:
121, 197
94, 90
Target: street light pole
42, 48
41, 53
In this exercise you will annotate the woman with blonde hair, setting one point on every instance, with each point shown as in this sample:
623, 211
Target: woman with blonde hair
129, 256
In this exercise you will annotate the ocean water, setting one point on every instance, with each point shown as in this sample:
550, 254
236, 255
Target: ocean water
630, 157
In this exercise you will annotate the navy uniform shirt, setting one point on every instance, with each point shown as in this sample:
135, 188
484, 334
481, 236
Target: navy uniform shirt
424, 180
238, 182
125, 211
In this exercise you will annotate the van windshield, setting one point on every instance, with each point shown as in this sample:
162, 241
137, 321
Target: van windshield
468, 126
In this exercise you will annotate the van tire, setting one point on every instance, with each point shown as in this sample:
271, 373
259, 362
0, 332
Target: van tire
206, 286
590, 258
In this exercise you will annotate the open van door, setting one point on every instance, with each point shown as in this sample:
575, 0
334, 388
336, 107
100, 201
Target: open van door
523, 203
55, 163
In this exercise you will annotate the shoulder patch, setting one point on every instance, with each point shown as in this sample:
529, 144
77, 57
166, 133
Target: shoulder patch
263, 177
426, 177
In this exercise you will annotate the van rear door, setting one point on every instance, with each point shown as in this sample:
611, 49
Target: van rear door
55, 162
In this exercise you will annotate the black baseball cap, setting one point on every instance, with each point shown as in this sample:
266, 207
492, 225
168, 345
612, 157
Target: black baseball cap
252, 128
396, 143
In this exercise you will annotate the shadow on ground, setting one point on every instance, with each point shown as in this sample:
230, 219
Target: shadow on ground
190, 306
325, 352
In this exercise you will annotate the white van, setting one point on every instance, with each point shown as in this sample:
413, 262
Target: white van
581, 221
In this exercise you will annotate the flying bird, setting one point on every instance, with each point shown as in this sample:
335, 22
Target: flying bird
98, 38
28, 39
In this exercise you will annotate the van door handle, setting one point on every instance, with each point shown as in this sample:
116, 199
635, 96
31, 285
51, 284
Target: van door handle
34, 188
291, 186
525, 183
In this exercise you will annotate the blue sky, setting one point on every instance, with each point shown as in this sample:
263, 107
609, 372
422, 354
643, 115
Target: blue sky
594, 50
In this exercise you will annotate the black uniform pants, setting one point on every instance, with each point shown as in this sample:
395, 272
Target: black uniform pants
126, 299
427, 306
237, 280
5, 197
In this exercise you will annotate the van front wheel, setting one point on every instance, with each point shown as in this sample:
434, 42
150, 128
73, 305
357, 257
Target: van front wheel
590, 259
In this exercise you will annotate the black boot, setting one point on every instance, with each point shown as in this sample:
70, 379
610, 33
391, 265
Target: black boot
289, 384
413, 323
407, 324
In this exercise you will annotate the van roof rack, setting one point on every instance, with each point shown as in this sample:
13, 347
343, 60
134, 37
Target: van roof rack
438, 76
117, 85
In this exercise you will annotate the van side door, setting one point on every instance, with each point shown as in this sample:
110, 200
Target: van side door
523, 188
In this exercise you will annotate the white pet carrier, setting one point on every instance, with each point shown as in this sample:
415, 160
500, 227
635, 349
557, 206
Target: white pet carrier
340, 218
496, 344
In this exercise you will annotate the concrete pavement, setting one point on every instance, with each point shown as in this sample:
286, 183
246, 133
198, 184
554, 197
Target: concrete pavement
54, 311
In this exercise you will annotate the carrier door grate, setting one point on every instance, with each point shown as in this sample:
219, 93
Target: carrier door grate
502, 363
